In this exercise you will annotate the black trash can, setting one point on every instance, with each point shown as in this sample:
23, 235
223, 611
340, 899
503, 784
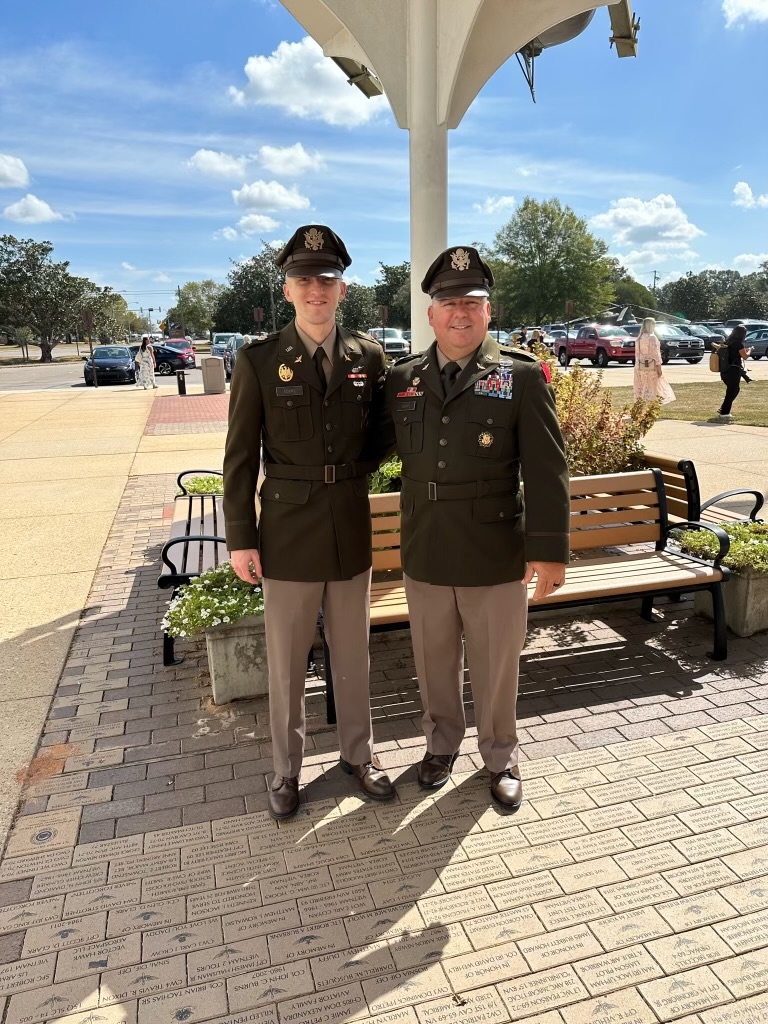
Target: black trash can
181, 382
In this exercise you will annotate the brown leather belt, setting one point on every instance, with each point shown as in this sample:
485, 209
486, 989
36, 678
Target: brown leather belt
329, 474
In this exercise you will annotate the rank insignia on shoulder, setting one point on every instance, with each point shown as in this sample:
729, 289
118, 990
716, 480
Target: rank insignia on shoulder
284, 372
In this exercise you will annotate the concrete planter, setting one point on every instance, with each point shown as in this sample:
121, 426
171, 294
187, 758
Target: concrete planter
237, 658
746, 602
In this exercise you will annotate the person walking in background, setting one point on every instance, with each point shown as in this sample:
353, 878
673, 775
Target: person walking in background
649, 377
731, 369
145, 357
310, 397
470, 417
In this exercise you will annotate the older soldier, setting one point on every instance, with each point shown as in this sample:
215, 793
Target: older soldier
310, 395
470, 418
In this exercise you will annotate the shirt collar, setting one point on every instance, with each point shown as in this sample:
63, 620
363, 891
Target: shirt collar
328, 345
442, 358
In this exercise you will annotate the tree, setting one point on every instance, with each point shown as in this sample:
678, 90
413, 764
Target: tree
196, 306
693, 295
252, 283
553, 257
632, 293
393, 290
749, 299
358, 310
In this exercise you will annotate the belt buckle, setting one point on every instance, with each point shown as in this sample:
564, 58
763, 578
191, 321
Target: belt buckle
432, 490
330, 475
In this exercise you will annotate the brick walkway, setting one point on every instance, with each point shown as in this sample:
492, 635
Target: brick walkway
188, 414
144, 882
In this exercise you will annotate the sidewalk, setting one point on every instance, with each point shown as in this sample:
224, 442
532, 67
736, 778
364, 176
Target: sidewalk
143, 881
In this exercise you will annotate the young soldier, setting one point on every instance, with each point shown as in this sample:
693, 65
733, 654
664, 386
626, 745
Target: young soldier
470, 418
311, 396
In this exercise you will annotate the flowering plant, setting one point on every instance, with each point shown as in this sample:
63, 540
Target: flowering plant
208, 484
748, 550
387, 476
215, 598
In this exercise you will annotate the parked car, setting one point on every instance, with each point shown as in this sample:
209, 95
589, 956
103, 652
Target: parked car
114, 365
231, 349
169, 360
758, 342
182, 345
392, 341
716, 326
707, 335
220, 340
600, 343
674, 343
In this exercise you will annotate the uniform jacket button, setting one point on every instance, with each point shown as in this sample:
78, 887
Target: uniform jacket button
446, 419
276, 495
289, 404
329, 426
443, 442
441, 465
330, 447
489, 421
501, 515
326, 403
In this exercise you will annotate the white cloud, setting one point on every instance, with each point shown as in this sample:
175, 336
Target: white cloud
227, 234
13, 172
31, 210
744, 10
749, 262
290, 160
494, 204
269, 195
299, 78
127, 266
745, 196
654, 231
218, 165
253, 223
161, 278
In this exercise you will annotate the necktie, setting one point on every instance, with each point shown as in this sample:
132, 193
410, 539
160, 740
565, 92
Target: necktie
320, 361
450, 372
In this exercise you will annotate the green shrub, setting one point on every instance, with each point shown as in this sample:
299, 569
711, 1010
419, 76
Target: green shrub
214, 598
204, 485
387, 477
748, 550
599, 438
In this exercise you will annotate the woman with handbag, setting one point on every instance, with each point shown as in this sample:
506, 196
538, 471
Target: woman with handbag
649, 379
732, 368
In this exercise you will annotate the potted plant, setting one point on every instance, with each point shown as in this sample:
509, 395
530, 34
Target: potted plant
231, 615
746, 595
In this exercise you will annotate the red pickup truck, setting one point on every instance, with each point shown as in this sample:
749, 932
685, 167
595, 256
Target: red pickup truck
598, 343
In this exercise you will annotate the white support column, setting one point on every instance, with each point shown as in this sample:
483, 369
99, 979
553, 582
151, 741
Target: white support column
428, 147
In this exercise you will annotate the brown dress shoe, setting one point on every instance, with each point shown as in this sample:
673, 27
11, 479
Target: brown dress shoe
283, 797
507, 789
373, 780
435, 770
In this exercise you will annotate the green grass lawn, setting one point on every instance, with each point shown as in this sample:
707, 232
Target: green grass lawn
698, 403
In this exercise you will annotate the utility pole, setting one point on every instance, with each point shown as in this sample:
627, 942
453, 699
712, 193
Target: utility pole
655, 279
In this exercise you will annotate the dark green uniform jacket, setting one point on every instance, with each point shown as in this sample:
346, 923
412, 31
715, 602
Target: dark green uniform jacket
310, 530
462, 521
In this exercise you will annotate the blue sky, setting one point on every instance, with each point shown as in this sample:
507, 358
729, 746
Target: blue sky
156, 141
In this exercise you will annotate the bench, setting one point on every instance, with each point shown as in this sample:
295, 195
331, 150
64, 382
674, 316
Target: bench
684, 497
195, 545
618, 510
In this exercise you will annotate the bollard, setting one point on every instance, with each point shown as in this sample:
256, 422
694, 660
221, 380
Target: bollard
181, 382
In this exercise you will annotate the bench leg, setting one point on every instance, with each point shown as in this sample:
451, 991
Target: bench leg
169, 656
646, 608
720, 653
330, 701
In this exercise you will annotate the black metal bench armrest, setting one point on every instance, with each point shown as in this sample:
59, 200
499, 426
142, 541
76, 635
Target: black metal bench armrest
195, 472
722, 537
757, 495
172, 579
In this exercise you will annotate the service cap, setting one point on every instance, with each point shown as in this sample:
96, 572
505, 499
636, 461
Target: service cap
458, 272
313, 251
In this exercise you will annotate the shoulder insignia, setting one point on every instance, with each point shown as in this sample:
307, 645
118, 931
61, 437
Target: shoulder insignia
519, 353
408, 358
362, 335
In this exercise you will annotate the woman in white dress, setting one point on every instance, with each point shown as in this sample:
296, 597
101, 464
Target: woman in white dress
145, 358
649, 378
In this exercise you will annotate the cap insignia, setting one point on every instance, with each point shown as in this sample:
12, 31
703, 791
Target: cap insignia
313, 239
460, 259
485, 440
284, 372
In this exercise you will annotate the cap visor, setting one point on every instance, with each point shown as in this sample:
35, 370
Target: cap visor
313, 272
460, 293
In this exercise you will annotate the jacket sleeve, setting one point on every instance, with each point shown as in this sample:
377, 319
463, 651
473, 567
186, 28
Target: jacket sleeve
380, 442
544, 471
242, 455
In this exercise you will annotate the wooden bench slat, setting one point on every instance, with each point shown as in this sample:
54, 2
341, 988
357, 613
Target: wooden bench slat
389, 502
210, 556
627, 516
613, 535
387, 559
383, 523
609, 499
613, 483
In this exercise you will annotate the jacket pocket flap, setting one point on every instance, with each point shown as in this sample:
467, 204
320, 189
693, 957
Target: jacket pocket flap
409, 411
495, 508
289, 396
294, 492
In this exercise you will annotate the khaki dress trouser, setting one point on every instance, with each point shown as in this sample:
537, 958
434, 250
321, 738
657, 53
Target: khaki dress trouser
493, 621
290, 614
